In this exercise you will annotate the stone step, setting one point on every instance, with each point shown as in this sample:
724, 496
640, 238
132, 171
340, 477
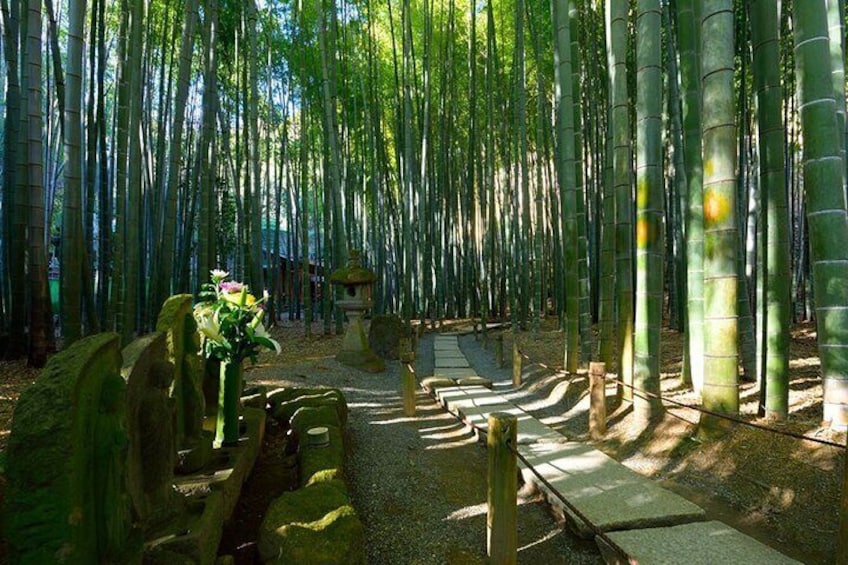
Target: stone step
455, 372
701, 543
475, 381
450, 355
451, 364
607, 493
475, 404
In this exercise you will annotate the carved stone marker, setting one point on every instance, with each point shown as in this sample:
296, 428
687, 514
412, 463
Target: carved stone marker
153, 452
66, 498
183, 343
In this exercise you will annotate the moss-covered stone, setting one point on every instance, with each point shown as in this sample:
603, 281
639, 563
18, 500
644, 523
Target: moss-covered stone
385, 334
255, 397
311, 416
353, 272
285, 410
327, 460
433, 383
276, 396
152, 453
177, 321
66, 498
474, 381
313, 525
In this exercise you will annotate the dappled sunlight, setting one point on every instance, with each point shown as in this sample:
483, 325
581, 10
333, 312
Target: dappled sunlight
468, 512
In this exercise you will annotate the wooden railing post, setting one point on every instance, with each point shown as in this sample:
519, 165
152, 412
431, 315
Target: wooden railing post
842, 550
499, 354
597, 401
408, 385
516, 364
502, 517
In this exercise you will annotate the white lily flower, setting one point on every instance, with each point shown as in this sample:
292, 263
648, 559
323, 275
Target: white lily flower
262, 332
219, 274
209, 328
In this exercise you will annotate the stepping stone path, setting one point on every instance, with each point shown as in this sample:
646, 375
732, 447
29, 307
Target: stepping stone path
650, 523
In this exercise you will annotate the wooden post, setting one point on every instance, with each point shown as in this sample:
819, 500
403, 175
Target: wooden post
408, 381
516, 364
502, 517
405, 348
597, 401
499, 357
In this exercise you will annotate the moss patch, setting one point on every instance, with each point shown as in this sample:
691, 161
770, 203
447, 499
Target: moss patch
328, 460
311, 416
334, 399
315, 524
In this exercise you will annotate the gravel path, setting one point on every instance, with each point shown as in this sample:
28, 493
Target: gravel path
419, 484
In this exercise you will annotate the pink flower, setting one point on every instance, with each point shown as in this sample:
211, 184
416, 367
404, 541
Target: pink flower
231, 286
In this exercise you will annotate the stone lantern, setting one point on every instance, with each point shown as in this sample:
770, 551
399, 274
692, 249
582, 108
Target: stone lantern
356, 282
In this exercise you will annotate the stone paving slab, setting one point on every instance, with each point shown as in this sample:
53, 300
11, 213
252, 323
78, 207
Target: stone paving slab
455, 373
451, 364
448, 355
475, 405
452, 352
447, 395
609, 494
701, 543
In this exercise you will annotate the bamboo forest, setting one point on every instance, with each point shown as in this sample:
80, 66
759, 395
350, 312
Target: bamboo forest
617, 174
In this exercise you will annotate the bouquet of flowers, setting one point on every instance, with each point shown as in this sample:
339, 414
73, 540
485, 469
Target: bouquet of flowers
229, 319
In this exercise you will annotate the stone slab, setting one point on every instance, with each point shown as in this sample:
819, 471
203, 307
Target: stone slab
474, 404
434, 384
451, 364
447, 395
530, 430
606, 492
456, 373
230, 466
701, 543
471, 381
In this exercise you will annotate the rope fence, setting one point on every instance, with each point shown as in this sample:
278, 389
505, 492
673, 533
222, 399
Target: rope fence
482, 432
571, 508
502, 472
648, 394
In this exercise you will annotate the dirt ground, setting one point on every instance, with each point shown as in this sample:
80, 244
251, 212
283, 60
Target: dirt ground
781, 490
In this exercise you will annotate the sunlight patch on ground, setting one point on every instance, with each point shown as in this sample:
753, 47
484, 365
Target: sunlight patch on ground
468, 512
456, 433
547, 537
470, 440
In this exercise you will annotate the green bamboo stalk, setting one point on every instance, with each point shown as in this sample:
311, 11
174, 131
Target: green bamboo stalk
828, 225
720, 391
